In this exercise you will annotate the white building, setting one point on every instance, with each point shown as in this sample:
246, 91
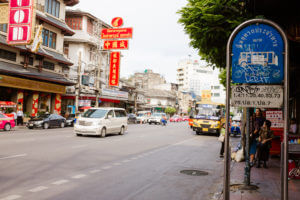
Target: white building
195, 77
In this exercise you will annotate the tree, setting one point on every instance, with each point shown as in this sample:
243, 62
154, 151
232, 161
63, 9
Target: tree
209, 24
170, 110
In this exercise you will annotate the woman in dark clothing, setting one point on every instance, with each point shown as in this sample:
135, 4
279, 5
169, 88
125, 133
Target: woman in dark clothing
264, 143
258, 121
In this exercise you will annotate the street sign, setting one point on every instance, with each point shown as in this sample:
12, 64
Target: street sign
116, 33
259, 96
38, 39
258, 55
115, 44
3, 13
117, 22
114, 68
20, 22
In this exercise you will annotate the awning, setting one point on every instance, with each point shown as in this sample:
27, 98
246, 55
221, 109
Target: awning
7, 104
55, 22
31, 73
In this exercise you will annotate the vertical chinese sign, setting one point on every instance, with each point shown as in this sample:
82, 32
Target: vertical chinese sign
20, 22
114, 68
113, 42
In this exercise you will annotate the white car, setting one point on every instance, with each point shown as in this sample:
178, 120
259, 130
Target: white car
156, 118
101, 121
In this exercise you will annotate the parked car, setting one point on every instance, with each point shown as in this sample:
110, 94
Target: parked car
47, 121
6, 123
185, 118
132, 118
156, 118
101, 121
143, 116
70, 120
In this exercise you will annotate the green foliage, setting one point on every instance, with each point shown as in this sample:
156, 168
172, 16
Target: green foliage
170, 110
209, 24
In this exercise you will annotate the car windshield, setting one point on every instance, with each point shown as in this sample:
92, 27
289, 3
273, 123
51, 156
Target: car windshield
95, 113
43, 116
157, 114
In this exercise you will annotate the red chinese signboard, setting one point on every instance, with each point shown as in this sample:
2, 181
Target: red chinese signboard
20, 21
114, 68
116, 33
115, 44
117, 22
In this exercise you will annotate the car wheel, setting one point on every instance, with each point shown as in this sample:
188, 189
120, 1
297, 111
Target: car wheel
62, 125
46, 126
7, 127
197, 132
78, 134
150, 123
103, 132
30, 127
122, 130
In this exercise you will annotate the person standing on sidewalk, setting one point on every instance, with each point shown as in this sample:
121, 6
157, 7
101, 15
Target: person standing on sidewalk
20, 117
222, 140
264, 143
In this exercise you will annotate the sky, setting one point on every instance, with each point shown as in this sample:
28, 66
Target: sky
158, 41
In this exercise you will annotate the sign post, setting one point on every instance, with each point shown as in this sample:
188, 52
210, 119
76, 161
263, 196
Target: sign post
257, 52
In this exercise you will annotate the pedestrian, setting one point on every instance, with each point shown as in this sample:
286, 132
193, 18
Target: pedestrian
264, 144
222, 140
258, 121
20, 116
15, 116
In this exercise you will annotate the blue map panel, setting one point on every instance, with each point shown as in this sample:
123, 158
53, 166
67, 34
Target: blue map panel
258, 55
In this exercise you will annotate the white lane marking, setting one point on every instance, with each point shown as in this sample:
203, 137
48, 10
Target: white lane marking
11, 197
79, 176
116, 164
95, 171
38, 189
60, 182
126, 161
106, 167
14, 156
78, 146
134, 158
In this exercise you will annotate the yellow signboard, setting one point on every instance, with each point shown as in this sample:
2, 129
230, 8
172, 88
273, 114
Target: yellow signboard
3, 13
206, 95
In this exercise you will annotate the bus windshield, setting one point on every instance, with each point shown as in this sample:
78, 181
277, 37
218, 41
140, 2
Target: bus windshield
208, 111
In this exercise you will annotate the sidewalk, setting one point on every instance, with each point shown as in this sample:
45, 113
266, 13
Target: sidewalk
268, 181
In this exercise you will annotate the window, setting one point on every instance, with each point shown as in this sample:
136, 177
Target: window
48, 65
49, 38
30, 61
66, 49
217, 87
74, 23
120, 113
90, 26
111, 113
3, 28
52, 7
8, 55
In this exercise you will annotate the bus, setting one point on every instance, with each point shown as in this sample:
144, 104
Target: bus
258, 58
209, 117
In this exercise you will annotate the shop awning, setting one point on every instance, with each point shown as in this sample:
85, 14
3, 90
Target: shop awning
7, 104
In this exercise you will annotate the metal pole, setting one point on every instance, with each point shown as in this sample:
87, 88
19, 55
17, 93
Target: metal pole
98, 81
78, 86
247, 150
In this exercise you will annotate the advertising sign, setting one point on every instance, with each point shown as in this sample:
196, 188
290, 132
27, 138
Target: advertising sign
3, 13
259, 96
206, 95
114, 68
20, 22
117, 22
115, 44
275, 116
258, 55
116, 33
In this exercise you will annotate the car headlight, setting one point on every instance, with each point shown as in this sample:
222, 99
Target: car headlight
196, 124
216, 125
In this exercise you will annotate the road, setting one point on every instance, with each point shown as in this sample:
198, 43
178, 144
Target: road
145, 163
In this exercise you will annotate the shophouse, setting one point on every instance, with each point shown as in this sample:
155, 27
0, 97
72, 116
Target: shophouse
36, 81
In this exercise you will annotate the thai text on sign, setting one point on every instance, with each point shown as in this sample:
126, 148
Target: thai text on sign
260, 96
114, 68
115, 44
20, 21
116, 33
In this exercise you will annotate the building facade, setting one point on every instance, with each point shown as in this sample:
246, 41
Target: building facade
194, 77
36, 81
147, 80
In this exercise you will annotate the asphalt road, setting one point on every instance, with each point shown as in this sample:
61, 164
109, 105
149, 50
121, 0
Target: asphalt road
143, 164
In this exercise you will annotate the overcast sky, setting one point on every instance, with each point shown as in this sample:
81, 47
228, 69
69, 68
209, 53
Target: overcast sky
158, 42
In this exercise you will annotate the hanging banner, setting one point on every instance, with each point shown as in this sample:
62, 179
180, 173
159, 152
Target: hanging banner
114, 68
20, 22
116, 33
259, 96
258, 55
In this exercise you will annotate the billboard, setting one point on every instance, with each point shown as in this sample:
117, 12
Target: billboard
116, 33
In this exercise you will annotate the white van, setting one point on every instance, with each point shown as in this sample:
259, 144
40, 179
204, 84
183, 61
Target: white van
101, 121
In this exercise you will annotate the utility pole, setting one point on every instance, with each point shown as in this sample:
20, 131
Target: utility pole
98, 85
78, 85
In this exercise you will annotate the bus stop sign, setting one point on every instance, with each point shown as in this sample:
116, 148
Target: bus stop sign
258, 55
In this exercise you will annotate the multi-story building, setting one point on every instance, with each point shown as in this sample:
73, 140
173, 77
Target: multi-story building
194, 77
94, 61
36, 81
147, 80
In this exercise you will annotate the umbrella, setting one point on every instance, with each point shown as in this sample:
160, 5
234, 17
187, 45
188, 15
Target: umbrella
7, 104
